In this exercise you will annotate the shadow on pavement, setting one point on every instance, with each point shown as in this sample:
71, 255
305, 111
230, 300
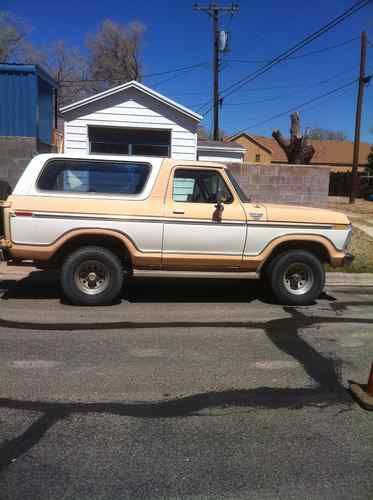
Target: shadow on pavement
262, 397
326, 390
44, 285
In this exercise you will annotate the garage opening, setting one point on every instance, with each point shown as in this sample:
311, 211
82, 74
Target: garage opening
126, 141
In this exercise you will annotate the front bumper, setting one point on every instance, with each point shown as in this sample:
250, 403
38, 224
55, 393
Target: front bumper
348, 259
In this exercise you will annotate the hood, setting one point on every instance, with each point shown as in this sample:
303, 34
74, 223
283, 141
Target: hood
295, 213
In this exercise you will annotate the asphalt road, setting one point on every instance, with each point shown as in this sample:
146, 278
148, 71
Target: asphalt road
186, 389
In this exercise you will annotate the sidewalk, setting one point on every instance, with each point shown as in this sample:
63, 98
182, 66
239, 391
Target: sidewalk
363, 227
332, 279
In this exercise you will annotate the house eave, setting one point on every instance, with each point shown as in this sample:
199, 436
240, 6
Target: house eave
138, 86
222, 150
250, 138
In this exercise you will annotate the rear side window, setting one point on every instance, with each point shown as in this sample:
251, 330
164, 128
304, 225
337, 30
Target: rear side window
78, 176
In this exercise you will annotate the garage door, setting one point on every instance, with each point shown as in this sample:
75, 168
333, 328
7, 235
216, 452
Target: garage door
126, 141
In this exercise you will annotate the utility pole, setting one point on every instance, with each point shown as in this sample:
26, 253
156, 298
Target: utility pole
214, 11
363, 80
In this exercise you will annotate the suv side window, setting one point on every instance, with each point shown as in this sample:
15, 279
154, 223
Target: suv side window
199, 186
82, 176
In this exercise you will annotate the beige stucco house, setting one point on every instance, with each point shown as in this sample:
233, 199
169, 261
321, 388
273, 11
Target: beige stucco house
335, 154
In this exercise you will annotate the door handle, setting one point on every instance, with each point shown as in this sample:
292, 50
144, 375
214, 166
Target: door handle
178, 211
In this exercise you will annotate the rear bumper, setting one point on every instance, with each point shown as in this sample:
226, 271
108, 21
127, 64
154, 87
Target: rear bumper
4, 250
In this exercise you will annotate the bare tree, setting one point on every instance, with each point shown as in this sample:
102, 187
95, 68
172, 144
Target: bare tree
113, 57
12, 32
114, 53
202, 133
69, 68
322, 134
297, 149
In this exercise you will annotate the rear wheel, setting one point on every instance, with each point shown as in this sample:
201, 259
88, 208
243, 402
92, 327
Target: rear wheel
297, 277
92, 276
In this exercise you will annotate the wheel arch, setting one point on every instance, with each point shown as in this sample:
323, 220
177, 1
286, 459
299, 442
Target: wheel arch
119, 243
319, 246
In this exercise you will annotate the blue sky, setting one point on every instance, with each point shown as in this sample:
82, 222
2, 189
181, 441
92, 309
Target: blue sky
177, 36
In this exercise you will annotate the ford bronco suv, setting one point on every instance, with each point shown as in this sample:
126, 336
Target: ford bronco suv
98, 219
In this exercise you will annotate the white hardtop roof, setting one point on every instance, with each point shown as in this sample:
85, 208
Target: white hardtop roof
27, 183
138, 86
123, 158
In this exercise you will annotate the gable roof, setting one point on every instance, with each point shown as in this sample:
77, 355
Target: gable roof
327, 152
132, 85
251, 138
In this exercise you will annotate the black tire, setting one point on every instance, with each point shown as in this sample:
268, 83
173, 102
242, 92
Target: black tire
297, 277
5, 190
77, 281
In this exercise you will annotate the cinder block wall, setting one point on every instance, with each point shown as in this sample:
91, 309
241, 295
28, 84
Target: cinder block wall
283, 183
15, 153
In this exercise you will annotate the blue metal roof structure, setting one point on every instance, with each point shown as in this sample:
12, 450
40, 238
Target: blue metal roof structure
26, 101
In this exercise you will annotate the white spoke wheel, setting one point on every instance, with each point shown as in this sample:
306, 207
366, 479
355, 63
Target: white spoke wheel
297, 277
92, 276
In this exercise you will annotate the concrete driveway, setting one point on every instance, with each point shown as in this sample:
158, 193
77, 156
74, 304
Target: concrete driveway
186, 389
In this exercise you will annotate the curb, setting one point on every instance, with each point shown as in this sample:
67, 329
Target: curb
349, 279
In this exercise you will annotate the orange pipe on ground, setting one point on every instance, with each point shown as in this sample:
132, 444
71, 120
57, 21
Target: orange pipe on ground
370, 382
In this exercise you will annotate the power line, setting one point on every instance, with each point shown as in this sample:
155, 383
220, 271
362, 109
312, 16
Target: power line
304, 86
308, 54
274, 87
297, 86
289, 52
299, 106
310, 38
174, 77
176, 70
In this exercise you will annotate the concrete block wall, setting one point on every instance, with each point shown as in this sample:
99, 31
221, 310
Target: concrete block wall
284, 183
15, 154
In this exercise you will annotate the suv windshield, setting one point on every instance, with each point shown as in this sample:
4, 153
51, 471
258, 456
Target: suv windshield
241, 193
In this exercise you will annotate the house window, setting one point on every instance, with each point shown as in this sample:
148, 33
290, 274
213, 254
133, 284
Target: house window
199, 186
81, 176
257, 158
126, 141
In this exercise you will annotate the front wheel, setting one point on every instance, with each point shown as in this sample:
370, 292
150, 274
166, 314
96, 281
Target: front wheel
92, 276
297, 277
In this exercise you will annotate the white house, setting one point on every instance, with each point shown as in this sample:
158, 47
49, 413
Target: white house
134, 119
226, 152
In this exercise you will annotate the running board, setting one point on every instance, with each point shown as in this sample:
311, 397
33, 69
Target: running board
150, 273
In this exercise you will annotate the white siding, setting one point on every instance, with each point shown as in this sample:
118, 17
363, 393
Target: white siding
131, 109
221, 156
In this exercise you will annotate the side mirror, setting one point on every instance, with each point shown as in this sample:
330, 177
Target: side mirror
221, 197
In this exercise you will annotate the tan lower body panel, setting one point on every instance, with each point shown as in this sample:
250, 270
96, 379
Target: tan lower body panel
176, 261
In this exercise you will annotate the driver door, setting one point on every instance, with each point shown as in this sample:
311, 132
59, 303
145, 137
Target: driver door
198, 232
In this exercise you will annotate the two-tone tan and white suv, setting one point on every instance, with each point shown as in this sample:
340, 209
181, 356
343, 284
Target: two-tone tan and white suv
100, 218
